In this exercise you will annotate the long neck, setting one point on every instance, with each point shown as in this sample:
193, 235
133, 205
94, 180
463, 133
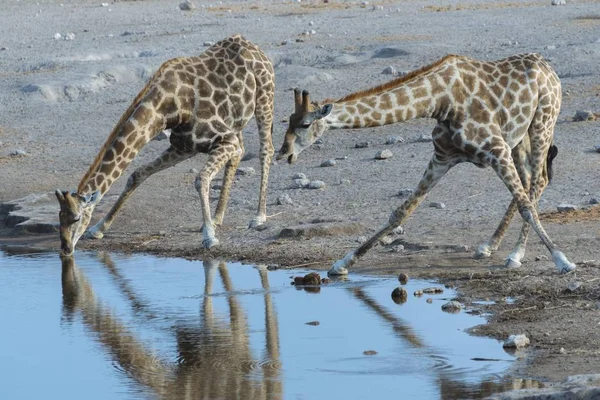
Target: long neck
137, 127
422, 97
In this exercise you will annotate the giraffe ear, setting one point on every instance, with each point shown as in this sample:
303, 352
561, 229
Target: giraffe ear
59, 195
325, 110
92, 199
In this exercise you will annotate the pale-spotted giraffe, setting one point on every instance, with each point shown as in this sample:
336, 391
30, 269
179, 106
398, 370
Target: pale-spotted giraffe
498, 113
206, 101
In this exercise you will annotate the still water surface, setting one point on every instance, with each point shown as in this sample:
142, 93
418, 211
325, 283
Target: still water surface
112, 326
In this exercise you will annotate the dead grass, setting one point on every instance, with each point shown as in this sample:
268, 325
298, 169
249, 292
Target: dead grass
487, 6
583, 215
402, 38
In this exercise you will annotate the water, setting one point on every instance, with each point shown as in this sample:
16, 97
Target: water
111, 326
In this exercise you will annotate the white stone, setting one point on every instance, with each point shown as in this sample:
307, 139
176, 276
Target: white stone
559, 2
284, 199
394, 140
299, 175
57, 36
452, 307
316, 185
516, 342
437, 204
328, 163
300, 183
424, 138
383, 154
208, 44
70, 36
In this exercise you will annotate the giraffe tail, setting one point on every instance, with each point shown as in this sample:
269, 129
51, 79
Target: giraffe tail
552, 152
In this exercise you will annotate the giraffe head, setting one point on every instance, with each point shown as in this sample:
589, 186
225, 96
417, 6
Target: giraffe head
306, 125
74, 216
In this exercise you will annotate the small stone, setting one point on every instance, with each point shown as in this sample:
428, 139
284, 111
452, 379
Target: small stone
364, 3
593, 200
104, 4
563, 208
299, 175
285, 42
433, 290
383, 154
325, 281
516, 342
597, 148
361, 145
461, 248
541, 257
284, 199
299, 40
312, 278
418, 293
369, 352
558, 2
573, 286
194, 171
208, 44
345, 182
398, 248
399, 295
187, 5
162, 233
313, 32
328, 163
384, 241
342, 158
57, 36
310, 23
438, 205
405, 192
403, 278
18, 153
216, 186
582, 115
424, 138
70, 36
319, 141
394, 140
429, 300
245, 171
298, 280
300, 183
316, 185
361, 239
399, 230
389, 71
313, 323
562, 350
452, 307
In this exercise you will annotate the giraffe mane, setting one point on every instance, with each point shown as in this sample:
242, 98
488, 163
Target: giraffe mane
393, 83
111, 138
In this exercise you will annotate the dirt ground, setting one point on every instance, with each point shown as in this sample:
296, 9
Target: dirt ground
60, 99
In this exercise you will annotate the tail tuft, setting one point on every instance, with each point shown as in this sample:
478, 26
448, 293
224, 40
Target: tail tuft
552, 152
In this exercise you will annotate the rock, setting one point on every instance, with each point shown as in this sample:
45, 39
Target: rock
593, 200
398, 248
361, 239
438, 205
321, 229
452, 307
584, 116
70, 36
361, 145
18, 153
403, 278
559, 2
187, 5
429, 300
384, 241
399, 230
389, 71
319, 141
299, 175
345, 182
57, 36
216, 186
551, 47
461, 248
208, 44
312, 278
424, 138
300, 40
369, 352
313, 323
418, 293
194, 171
325, 281
383, 154
245, 171
562, 350
284, 199
311, 23
573, 286
563, 208
316, 185
394, 140
516, 342
405, 192
313, 32
300, 183
328, 163
541, 257
399, 295
433, 290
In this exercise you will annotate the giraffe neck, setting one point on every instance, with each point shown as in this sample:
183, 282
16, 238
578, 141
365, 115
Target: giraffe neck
140, 123
422, 97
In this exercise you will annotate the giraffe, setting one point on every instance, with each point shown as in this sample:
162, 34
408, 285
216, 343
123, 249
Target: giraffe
496, 113
206, 101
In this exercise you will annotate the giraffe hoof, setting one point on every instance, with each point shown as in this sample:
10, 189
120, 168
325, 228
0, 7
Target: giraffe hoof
562, 263
210, 242
256, 221
483, 251
512, 263
337, 271
93, 234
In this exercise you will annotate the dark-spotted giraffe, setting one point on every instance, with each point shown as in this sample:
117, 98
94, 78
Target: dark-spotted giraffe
206, 101
498, 113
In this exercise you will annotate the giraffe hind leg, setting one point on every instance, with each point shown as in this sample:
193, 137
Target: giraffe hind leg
167, 159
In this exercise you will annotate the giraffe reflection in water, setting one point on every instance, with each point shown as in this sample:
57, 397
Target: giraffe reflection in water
214, 358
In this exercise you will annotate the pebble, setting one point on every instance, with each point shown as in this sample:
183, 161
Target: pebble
300, 183
18, 153
403, 278
582, 115
384, 241
299, 175
399, 295
104, 4
361, 145
245, 171
328, 163
319, 141
405, 192
573, 286
316, 185
342, 158
284, 199
437, 205
299, 40
433, 290
559, 2
516, 342
541, 257
394, 140
452, 307
369, 352
551, 47
562, 350
593, 200
310, 23
208, 44
398, 248
565, 208
399, 230
429, 300
313, 32
70, 36
424, 138
383, 154
345, 182
187, 5
389, 71
57, 36
194, 171
361, 239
